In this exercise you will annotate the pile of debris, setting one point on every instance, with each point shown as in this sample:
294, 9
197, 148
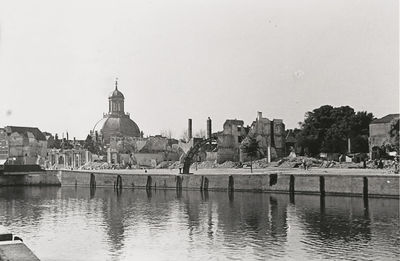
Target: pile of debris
104, 165
257, 164
298, 162
201, 165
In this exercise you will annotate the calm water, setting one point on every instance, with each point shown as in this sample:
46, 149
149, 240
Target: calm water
79, 224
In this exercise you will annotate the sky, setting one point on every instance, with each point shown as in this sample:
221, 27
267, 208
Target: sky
177, 60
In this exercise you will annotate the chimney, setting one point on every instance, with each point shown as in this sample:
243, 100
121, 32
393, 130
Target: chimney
209, 128
190, 129
209, 132
259, 113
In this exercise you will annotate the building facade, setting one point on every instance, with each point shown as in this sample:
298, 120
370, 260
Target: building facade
22, 145
271, 136
384, 133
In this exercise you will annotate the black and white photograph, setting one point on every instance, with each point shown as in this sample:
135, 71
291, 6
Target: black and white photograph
199, 130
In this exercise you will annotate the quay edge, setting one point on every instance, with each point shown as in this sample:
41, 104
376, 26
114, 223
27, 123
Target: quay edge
318, 181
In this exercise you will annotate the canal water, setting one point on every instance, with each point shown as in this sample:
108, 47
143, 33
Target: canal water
67, 223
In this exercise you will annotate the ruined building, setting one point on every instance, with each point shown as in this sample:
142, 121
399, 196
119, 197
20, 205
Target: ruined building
229, 140
383, 133
271, 135
22, 145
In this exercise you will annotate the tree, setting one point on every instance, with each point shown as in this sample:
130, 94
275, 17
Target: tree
327, 129
201, 134
166, 133
57, 142
250, 147
394, 135
185, 136
91, 145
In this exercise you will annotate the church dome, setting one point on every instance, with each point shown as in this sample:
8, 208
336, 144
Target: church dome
116, 123
116, 94
116, 126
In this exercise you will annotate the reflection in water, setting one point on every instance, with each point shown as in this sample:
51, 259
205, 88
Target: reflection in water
92, 192
125, 224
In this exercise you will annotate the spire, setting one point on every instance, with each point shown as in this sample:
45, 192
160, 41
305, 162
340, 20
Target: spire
116, 84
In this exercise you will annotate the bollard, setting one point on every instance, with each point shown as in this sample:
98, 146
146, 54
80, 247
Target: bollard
230, 184
365, 188
92, 181
322, 186
179, 180
148, 183
119, 182
205, 187
291, 184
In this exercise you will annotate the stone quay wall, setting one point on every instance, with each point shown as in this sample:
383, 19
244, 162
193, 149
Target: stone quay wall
359, 184
31, 179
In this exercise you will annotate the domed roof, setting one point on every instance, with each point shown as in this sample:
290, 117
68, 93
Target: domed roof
116, 126
116, 94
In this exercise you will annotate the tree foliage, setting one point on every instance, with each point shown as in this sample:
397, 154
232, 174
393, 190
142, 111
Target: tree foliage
394, 136
327, 129
250, 147
57, 142
92, 146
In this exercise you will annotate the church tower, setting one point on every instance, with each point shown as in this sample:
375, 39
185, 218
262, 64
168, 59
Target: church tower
115, 123
116, 102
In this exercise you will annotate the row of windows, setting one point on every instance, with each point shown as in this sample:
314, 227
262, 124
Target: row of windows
116, 106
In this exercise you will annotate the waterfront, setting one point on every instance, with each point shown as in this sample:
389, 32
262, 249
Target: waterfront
67, 223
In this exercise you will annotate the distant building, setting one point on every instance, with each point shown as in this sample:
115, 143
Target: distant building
116, 122
229, 140
270, 134
383, 132
22, 145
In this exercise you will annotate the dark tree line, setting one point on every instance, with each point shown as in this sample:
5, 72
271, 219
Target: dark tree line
327, 129
93, 146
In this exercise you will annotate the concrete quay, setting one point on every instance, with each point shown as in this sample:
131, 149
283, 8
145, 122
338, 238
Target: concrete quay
352, 182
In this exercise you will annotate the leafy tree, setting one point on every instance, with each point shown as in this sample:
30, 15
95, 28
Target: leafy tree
91, 145
327, 129
394, 135
57, 142
250, 147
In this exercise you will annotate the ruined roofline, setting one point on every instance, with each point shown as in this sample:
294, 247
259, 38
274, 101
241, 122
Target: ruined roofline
22, 130
386, 119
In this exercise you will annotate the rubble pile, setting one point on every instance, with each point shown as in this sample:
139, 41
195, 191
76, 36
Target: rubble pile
257, 164
296, 162
165, 165
206, 165
390, 166
175, 165
104, 165
228, 165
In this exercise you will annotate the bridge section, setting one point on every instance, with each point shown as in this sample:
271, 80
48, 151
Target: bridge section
192, 152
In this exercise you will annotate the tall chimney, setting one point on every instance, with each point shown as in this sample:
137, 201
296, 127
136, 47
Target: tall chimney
190, 129
259, 114
208, 128
209, 132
